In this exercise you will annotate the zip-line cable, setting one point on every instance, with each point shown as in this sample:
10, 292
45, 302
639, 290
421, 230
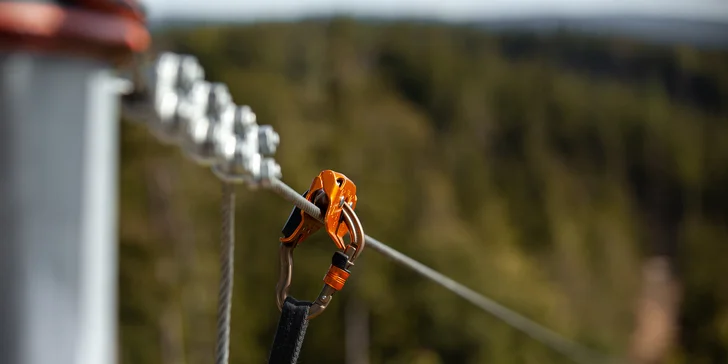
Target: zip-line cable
548, 337
227, 249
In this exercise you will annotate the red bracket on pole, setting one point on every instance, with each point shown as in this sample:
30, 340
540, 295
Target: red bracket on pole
112, 31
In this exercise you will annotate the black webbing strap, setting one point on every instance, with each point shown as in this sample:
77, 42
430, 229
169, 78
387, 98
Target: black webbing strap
290, 333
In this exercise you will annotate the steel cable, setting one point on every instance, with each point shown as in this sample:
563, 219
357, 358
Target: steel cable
227, 269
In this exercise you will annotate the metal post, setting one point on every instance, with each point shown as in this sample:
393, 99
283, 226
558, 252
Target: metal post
58, 257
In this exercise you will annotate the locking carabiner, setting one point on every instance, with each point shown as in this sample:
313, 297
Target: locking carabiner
338, 272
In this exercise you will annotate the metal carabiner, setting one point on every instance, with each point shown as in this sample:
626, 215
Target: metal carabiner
338, 272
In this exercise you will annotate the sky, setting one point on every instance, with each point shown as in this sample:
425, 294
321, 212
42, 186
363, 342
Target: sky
453, 10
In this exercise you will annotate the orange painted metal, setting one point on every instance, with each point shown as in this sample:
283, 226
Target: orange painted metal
339, 189
328, 191
307, 224
336, 277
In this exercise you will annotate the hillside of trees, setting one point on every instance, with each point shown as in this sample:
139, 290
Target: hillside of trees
580, 181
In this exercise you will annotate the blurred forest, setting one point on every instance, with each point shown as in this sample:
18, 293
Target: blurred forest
581, 181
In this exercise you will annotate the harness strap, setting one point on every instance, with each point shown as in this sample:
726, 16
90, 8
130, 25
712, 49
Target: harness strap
290, 333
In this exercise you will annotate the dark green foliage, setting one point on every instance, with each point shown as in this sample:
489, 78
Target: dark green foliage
524, 166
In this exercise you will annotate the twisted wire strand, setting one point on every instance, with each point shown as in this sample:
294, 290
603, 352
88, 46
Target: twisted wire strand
227, 269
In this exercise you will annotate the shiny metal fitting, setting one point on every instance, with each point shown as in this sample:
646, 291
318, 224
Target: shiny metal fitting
241, 152
219, 101
269, 170
239, 160
194, 106
245, 116
180, 107
163, 94
189, 73
200, 142
268, 140
173, 80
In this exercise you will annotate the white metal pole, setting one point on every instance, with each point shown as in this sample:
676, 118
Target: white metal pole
58, 257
